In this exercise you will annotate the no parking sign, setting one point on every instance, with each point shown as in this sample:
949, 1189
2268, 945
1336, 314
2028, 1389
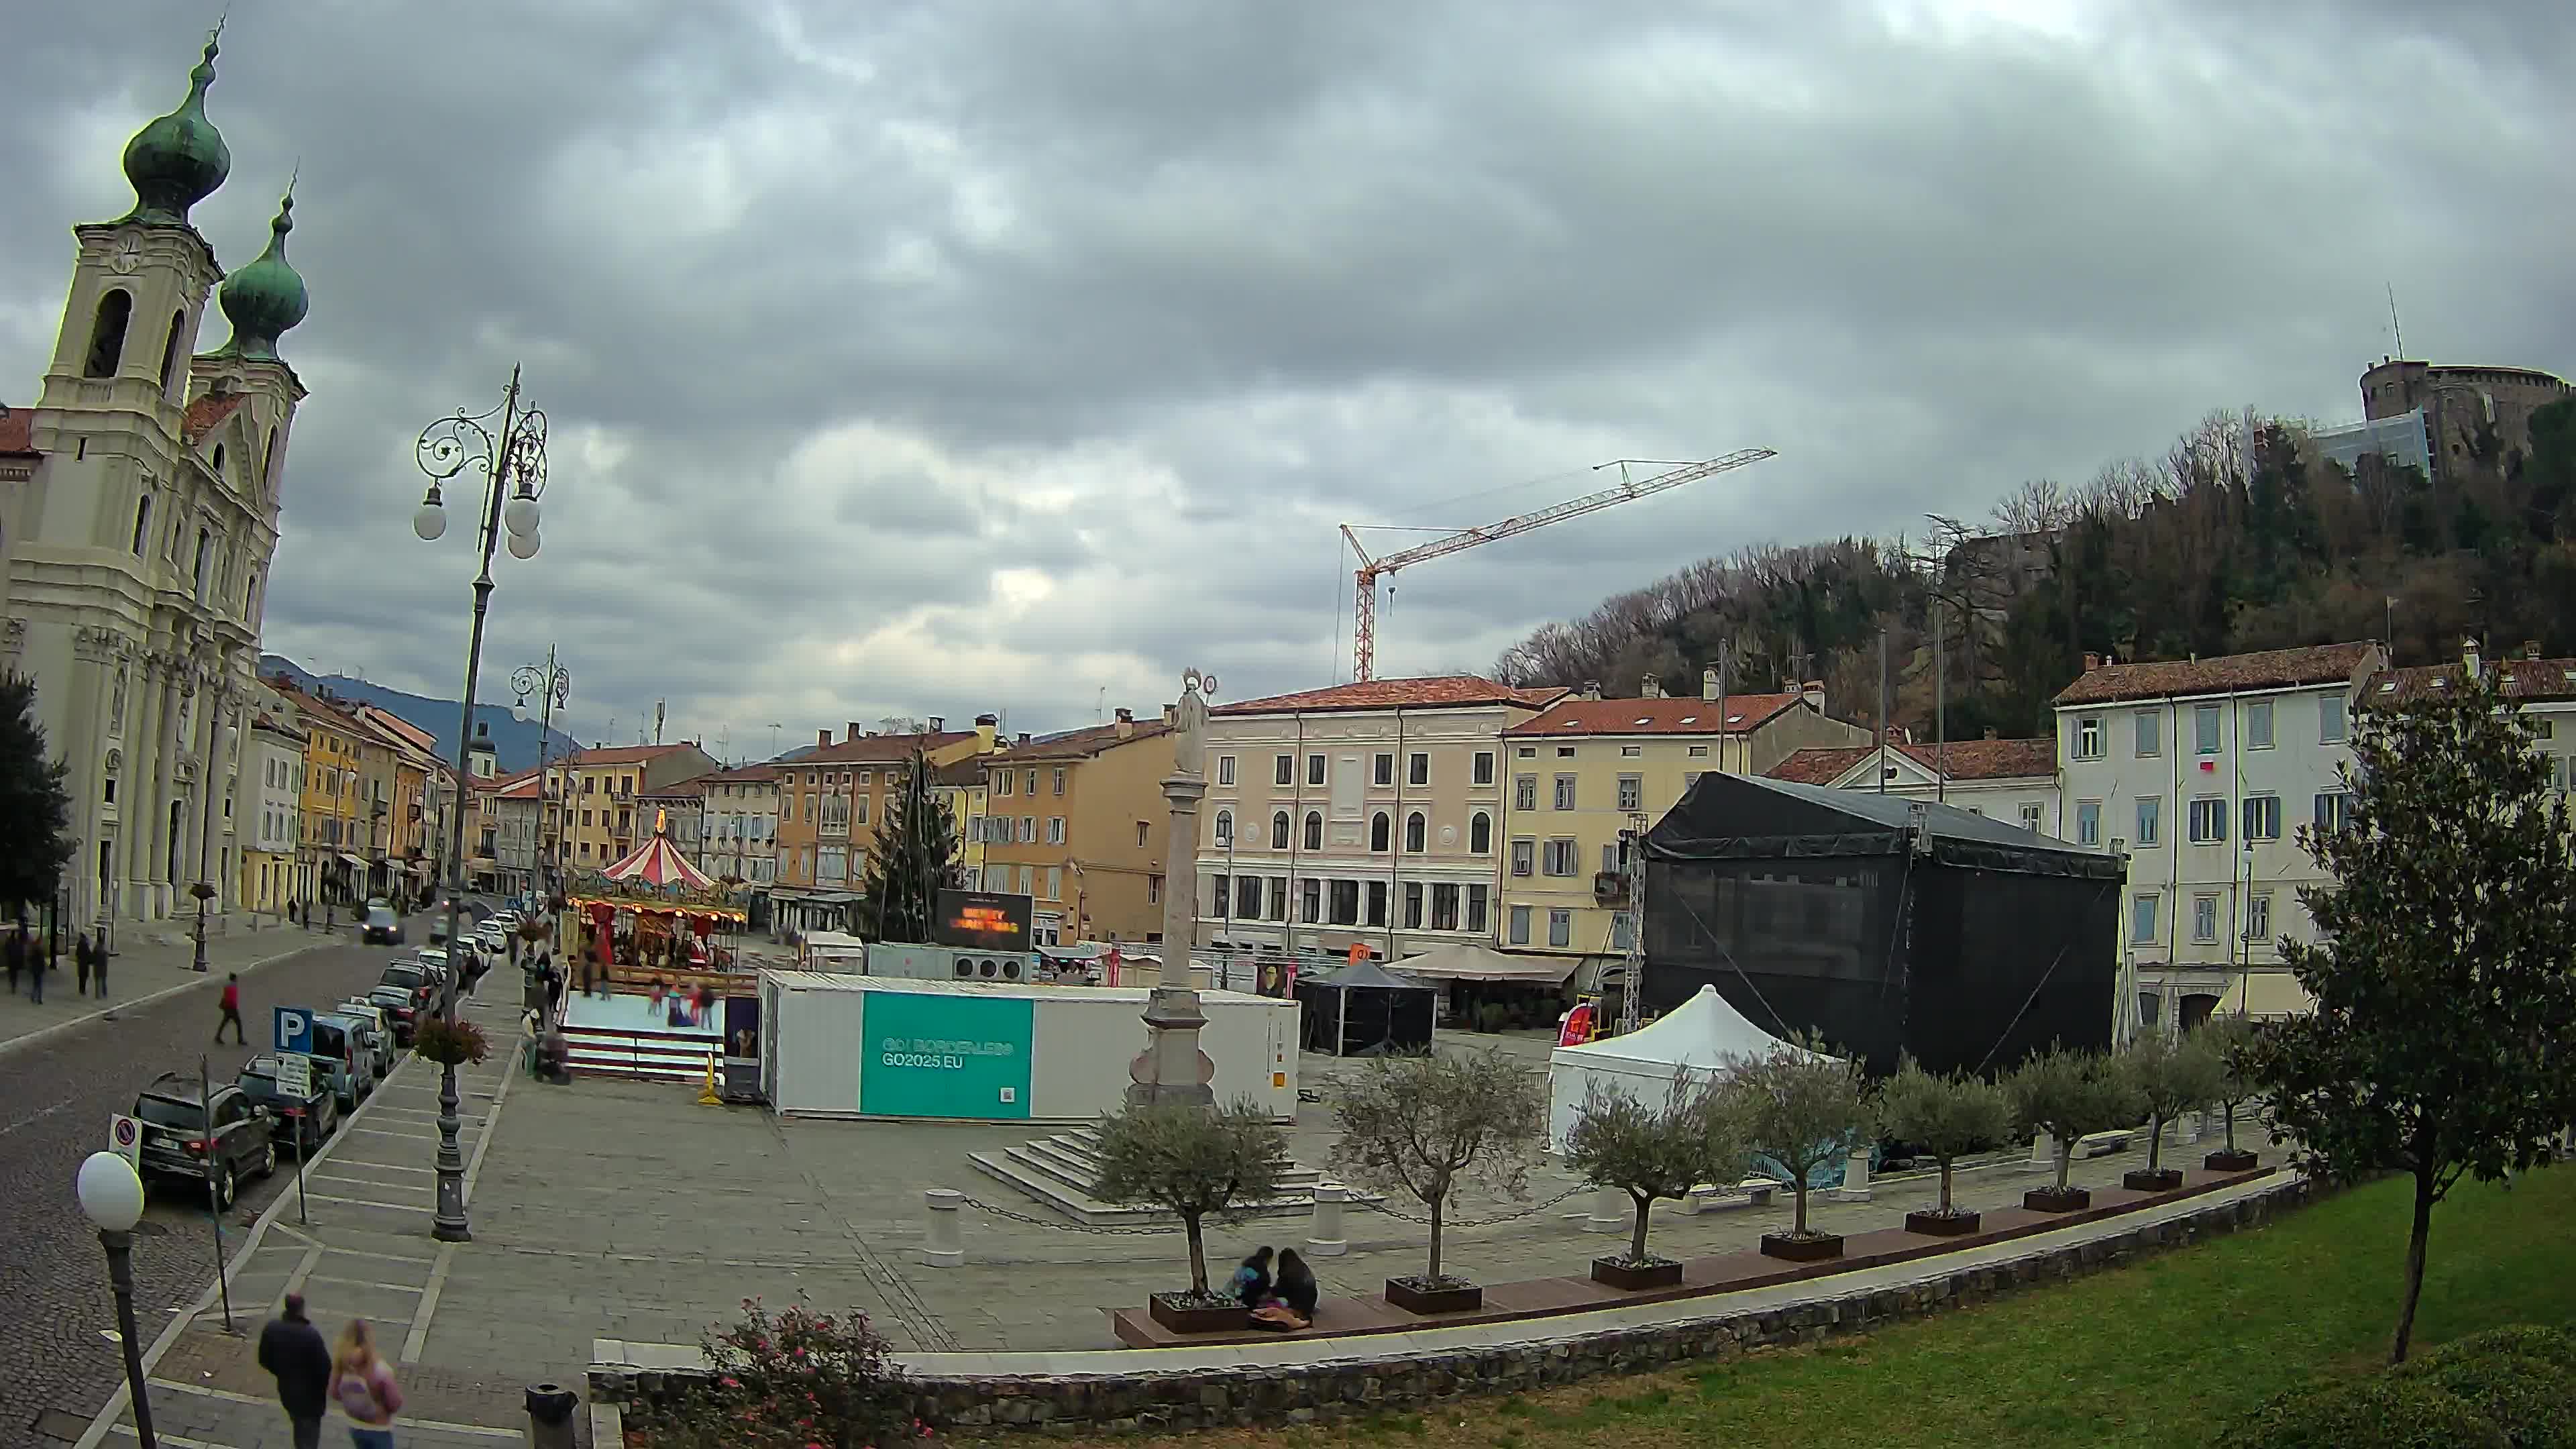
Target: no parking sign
125, 1139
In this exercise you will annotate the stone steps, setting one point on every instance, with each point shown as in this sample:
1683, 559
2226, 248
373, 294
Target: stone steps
1063, 1173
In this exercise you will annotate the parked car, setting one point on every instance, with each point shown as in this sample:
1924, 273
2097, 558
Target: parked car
338, 1051
205, 1136
416, 980
401, 1009
312, 1118
363, 1037
382, 927
493, 938
380, 1031
435, 961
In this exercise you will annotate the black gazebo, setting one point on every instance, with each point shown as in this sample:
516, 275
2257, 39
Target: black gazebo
1364, 1010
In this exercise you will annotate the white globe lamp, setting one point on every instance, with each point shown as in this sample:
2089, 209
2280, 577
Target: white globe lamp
111, 1196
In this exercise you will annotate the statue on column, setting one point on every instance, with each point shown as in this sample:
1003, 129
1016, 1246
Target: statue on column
1189, 724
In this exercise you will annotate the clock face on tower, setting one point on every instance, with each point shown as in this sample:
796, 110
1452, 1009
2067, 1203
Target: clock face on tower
127, 257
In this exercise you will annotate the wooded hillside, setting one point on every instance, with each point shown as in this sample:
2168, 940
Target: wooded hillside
2236, 538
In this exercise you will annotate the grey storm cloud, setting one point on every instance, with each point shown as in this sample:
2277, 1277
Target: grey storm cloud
929, 359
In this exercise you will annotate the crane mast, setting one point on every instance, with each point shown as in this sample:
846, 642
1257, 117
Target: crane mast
1364, 606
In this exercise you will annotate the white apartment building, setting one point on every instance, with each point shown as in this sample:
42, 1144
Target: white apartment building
741, 825
2009, 780
273, 767
2201, 772
1363, 814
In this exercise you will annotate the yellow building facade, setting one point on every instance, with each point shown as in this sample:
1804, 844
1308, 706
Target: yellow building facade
1078, 823
1582, 772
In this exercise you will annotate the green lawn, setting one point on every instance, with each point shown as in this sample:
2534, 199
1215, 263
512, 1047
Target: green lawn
2154, 1353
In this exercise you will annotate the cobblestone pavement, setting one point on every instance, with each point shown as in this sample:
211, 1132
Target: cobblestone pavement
56, 1094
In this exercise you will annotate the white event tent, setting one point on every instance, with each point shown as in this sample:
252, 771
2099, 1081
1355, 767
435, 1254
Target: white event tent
1703, 1034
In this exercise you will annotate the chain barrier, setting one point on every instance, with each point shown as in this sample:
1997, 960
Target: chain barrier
1105, 1232
1448, 1223
1355, 1206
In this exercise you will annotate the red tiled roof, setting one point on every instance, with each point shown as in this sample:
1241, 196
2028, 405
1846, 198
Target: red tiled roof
875, 749
761, 774
1080, 744
17, 430
1963, 759
1669, 716
208, 413
521, 786
620, 754
2545, 679
1430, 692
968, 772
2268, 669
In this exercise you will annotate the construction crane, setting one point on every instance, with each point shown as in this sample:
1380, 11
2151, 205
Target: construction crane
1364, 611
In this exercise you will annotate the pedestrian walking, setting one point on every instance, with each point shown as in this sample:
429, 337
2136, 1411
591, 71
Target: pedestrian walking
98, 962
35, 976
292, 1351
80, 960
364, 1387
232, 1011
16, 951
290, 910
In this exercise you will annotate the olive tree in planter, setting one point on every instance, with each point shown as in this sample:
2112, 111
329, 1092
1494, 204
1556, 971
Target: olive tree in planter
2069, 1094
1803, 1109
1945, 1119
2171, 1074
1196, 1164
1427, 1125
2230, 1039
1652, 1153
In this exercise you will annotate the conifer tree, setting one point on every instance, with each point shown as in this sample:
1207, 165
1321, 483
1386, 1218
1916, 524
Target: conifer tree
35, 809
913, 859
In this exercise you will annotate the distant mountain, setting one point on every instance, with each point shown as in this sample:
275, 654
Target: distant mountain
514, 745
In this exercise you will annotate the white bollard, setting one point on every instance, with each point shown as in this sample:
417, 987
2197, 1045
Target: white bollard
1324, 1237
1613, 1211
942, 1246
2043, 1151
1855, 1186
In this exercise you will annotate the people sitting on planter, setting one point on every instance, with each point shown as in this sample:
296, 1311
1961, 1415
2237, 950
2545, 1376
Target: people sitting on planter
1293, 1305
1251, 1282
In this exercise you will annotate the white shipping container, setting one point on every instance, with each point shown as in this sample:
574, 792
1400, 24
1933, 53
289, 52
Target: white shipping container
865, 1046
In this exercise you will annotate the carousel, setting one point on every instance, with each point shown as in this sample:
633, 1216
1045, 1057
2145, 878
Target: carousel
653, 917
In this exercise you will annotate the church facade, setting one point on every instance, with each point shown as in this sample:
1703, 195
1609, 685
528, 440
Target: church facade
139, 503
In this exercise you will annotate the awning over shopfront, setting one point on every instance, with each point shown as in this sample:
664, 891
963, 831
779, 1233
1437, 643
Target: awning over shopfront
1467, 961
356, 862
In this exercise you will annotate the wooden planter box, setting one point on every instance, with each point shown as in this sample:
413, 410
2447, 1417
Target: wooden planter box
1190, 1318
1802, 1250
1450, 1298
2224, 1160
1941, 1225
2051, 1200
1616, 1273
2160, 1179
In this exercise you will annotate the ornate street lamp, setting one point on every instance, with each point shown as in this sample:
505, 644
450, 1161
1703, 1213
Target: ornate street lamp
111, 1197
513, 465
553, 684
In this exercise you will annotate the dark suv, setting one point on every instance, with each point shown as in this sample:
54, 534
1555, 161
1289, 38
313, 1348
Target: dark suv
314, 1118
186, 1135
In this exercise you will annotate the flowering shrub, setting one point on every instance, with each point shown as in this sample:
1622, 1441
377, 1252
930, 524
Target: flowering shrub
449, 1043
796, 1379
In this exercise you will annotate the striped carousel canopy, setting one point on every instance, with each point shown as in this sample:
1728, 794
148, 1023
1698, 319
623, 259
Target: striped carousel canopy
658, 864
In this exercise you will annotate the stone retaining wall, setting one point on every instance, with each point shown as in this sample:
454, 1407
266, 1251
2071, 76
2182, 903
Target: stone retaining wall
1150, 1400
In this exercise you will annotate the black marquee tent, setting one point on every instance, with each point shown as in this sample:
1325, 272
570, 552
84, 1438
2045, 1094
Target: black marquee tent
1365, 1010
1887, 925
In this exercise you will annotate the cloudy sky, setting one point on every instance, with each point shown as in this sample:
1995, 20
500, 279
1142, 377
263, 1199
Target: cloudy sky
933, 358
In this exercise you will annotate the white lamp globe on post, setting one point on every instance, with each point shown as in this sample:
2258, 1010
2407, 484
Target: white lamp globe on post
519, 515
111, 1197
523, 545
429, 521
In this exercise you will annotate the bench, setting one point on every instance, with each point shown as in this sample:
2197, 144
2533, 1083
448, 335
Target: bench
1751, 1192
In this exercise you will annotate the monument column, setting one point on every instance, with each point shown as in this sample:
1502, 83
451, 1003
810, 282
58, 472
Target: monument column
1172, 1068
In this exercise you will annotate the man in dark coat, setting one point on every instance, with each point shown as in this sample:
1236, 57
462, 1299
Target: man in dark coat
292, 1350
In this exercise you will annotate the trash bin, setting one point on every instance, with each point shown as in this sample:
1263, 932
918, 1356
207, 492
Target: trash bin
550, 1409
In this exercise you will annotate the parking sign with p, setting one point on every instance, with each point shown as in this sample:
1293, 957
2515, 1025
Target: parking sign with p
294, 1029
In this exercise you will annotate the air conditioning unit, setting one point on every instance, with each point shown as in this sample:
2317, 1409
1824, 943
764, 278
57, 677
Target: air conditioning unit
1609, 887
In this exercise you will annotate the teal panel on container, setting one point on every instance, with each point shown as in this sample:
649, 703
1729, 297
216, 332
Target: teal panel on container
942, 1054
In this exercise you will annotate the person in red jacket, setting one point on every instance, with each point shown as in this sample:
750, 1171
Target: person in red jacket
232, 1010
